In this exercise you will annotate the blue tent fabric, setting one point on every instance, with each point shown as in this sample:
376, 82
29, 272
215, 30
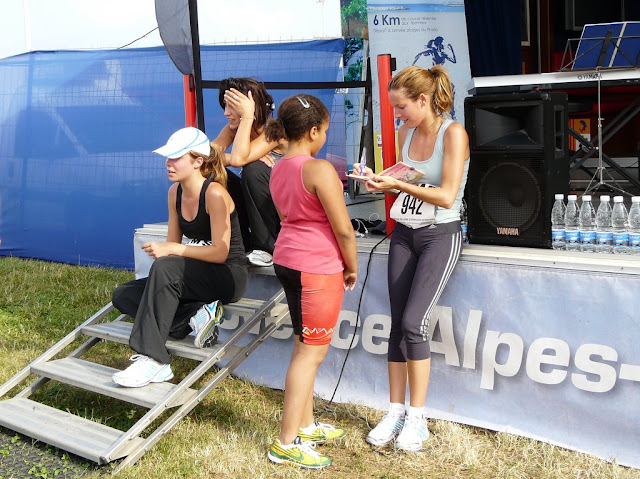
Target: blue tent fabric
77, 130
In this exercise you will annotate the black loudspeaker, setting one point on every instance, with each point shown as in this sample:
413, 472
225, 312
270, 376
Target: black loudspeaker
519, 160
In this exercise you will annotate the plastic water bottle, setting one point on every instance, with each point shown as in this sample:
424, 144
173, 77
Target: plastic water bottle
634, 226
587, 225
604, 236
619, 219
463, 221
557, 222
571, 224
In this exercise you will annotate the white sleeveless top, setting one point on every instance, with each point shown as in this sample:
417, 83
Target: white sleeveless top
432, 169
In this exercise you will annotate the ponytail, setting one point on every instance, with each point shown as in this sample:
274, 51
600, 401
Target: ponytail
442, 96
213, 166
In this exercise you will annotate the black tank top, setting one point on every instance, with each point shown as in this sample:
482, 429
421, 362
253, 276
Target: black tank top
199, 228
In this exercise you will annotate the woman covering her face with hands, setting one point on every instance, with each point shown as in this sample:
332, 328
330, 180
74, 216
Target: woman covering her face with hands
247, 107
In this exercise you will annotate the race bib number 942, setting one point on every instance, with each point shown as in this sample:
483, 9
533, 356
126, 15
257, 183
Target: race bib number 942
412, 212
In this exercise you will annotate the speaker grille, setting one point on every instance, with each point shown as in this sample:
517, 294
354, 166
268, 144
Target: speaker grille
508, 200
510, 196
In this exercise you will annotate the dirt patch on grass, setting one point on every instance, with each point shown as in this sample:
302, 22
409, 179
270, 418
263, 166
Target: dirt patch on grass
22, 457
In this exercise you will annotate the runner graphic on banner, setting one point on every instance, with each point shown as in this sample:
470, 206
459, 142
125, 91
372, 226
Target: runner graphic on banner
439, 56
436, 50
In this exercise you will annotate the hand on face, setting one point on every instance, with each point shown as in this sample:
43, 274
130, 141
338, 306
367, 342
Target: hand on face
244, 105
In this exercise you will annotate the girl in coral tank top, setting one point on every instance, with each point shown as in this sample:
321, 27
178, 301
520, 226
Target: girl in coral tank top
315, 259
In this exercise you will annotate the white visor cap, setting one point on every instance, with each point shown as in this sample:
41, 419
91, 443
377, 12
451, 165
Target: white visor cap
183, 141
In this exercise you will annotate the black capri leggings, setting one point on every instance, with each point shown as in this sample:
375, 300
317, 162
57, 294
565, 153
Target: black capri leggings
420, 264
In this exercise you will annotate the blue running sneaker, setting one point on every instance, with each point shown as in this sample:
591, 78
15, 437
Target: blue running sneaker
205, 324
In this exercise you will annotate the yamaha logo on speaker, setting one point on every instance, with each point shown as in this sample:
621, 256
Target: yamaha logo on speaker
501, 230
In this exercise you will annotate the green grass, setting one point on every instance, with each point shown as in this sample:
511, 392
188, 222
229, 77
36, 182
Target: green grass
227, 436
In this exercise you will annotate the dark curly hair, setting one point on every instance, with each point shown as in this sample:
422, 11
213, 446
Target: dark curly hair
264, 101
296, 115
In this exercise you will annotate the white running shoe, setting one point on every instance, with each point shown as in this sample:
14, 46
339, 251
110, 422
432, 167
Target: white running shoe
143, 371
260, 258
386, 430
205, 324
414, 432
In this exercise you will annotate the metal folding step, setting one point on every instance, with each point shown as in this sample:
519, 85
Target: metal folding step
97, 378
103, 444
61, 429
119, 332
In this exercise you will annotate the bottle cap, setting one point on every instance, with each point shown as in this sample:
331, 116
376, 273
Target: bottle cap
604, 198
635, 199
618, 199
559, 196
572, 197
586, 197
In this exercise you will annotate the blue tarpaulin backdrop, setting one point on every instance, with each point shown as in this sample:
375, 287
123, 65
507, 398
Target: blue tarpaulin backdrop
77, 130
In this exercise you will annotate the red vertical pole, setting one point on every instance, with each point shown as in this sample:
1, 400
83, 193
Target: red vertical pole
387, 128
189, 101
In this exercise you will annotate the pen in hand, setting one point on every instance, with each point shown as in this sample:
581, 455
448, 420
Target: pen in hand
363, 161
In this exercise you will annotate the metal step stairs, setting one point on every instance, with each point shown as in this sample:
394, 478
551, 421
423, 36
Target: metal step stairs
103, 444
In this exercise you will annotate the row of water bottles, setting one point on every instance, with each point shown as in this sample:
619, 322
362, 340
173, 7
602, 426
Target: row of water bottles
607, 230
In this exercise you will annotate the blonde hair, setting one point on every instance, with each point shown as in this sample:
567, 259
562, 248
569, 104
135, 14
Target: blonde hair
434, 81
213, 166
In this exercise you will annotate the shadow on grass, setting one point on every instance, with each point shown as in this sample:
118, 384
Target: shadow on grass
23, 457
